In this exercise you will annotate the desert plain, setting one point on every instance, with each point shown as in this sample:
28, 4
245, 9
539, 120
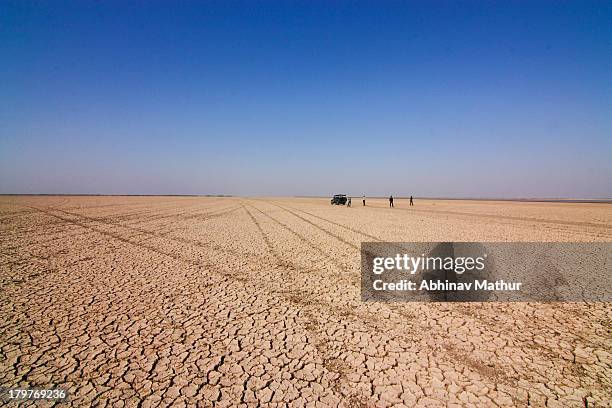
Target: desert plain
197, 301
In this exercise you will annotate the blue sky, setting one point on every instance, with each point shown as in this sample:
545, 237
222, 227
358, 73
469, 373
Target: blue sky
470, 99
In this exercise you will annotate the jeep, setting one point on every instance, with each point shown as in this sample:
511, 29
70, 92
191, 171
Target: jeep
339, 199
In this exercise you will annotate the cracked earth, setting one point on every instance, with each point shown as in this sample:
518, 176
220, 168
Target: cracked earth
185, 301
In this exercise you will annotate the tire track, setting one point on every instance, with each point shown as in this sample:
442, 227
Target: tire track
265, 237
365, 234
468, 314
312, 312
126, 240
152, 234
329, 362
495, 375
356, 231
336, 236
137, 229
304, 240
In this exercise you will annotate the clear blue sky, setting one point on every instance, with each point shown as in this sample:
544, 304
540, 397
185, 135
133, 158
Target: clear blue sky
487, 99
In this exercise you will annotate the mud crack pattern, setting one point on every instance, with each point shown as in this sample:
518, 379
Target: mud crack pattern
185, 301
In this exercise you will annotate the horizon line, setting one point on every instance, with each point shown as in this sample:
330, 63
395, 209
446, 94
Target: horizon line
604, 200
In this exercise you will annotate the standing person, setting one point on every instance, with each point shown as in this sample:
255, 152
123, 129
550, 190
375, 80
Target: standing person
349, 202
391, 201
411, 203
363, 200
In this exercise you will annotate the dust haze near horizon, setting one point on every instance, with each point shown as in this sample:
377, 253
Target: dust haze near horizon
491, 101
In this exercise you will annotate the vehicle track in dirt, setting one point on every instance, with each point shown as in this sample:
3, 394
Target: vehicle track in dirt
244, 301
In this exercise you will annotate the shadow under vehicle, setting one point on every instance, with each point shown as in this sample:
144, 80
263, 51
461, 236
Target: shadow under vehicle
339, 199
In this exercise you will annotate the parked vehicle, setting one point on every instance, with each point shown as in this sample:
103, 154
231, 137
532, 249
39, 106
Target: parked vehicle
339, 199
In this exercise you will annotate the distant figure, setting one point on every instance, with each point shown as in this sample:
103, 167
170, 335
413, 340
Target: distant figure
349, 202
364, 201
411, 203
390, 201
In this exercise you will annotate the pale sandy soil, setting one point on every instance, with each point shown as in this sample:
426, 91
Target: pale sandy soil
150, 301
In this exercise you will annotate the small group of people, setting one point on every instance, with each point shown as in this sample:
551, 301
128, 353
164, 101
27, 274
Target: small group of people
348, 203
363, 199
391, 201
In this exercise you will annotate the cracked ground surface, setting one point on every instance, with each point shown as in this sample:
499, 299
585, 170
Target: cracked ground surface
185, 301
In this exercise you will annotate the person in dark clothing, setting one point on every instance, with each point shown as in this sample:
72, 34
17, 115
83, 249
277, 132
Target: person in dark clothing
411, 203
349, 202
363, 201
390, 201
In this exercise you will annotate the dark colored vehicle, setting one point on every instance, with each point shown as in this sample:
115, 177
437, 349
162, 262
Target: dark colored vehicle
339, 199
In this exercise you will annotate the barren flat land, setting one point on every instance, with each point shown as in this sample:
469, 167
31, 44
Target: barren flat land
193, 301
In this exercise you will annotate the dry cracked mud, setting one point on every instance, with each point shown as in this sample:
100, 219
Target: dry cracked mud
188, 301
